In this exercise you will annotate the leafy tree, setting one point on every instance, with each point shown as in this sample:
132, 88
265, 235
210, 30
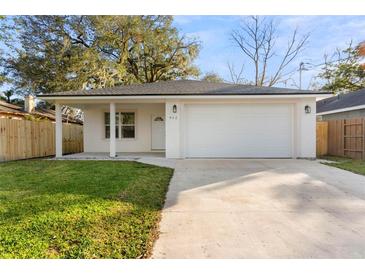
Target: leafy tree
212, 77
256, 37
362, 48
8, 94
59, 53
3, 34
344, 71
18, 101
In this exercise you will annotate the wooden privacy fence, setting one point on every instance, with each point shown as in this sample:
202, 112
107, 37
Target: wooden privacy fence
345, 138
23, 139
322, 138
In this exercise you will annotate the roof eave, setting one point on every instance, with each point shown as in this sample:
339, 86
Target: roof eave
179, 96
341, 110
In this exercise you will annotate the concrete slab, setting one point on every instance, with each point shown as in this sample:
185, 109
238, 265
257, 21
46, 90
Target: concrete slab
262, 209
152, 158
105, 156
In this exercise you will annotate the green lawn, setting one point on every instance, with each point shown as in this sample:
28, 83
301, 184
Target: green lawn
80, 209
355, 166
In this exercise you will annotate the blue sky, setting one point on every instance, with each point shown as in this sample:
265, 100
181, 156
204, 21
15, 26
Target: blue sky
326, 33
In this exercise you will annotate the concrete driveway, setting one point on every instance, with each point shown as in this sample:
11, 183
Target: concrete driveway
262, 209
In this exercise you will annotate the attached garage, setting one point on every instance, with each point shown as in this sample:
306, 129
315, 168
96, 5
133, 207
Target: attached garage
239, 130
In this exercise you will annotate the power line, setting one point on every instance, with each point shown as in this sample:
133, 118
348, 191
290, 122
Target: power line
303, 68
322, 64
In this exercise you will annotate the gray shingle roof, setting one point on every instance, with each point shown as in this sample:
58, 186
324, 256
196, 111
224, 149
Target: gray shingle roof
352, 99
183, 87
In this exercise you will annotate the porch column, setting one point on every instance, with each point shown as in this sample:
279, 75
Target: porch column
112, 130
58, 111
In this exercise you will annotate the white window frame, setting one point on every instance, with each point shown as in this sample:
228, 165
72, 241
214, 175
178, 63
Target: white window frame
127, 125
118, 123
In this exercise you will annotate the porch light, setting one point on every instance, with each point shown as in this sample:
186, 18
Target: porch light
174, 108
307, 109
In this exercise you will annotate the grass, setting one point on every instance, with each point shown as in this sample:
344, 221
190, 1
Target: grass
80, 209
355, 166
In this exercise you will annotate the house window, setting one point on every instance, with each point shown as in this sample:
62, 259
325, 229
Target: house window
126, 120
107, 125
128, 124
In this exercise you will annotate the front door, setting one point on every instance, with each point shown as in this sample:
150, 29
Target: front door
158, 132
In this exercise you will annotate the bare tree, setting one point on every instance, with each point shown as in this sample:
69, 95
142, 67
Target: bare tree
256, 37
236, 77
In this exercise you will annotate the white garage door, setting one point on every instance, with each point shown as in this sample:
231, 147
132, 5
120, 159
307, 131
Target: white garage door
238, 130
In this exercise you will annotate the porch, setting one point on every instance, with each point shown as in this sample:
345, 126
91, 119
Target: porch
120, 130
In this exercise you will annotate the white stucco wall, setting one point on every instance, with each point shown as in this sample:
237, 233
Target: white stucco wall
305, 129
94, 130
304, 126
173, 130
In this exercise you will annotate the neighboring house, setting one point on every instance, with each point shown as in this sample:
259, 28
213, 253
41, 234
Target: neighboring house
342, 106
30, 111
188, 119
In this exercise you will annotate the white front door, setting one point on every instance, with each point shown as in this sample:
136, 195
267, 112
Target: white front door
158, 132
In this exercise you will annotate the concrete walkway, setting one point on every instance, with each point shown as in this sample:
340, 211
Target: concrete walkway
262, 209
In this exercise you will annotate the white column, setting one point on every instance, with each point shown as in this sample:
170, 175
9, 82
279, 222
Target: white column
112, 130
58, 111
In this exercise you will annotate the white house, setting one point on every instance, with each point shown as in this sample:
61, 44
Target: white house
187, 119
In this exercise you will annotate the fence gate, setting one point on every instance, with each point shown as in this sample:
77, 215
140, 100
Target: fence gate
346, 138
353, 138
322, 138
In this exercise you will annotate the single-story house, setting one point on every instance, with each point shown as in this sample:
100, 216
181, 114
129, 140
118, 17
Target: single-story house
342, 106
189, 119
30, 111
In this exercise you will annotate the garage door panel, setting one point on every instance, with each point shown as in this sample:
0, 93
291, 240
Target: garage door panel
238, 130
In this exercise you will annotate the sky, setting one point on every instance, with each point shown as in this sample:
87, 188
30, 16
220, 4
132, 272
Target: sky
326, 34
217, 49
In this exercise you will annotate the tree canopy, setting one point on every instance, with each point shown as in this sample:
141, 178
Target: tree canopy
58, 53
212, 77
2, 37
344, 71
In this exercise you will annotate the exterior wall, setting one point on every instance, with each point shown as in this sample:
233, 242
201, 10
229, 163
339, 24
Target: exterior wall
94, 128
173, 130
305, 135
343, 115
304, 125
